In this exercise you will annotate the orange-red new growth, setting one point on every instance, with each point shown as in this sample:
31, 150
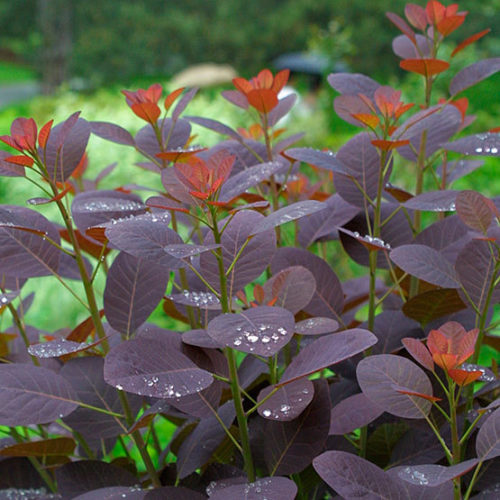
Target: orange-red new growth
262, 91
144, 103
445, 19
450, 346
204, 178
23, 134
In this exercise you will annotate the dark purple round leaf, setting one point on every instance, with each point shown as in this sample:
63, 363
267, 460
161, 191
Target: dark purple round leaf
134, 287
87, 379
353, 84
177, 132
152, 368
203, 300
56, 348
473, 74
65, 147
183, 250
33, 395
328, 299
484, 144
145, 237
426, 264
286, 214
200, 445
200, 338
253, 259
434, 475
321, 159
174, 493
112, 132
488, 437
327, 351
354, 477
114, 493
352, 413
316, 326
293, 288
25, 252
433, 201
475, 210
92, 208
288, 402
422, 492
289, 447
405, 48
248, 178
277, 488
261, 330
382, 379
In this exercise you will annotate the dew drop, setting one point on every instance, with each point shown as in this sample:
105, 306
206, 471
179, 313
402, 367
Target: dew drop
266, 413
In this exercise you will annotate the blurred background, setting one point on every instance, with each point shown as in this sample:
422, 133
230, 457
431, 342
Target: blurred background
60, 56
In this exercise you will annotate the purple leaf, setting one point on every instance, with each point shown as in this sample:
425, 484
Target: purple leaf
252, 260
286, 214
435, 475
93, 208
183, 102
134, 287
348, 105
327, 351
214, 125
443, 233
337, 212
417, 447
145, 237
183, 250
484, 144
421, 492
293, 288
354, 477
328, 299
114, 493
288, 402
65, 147
321, 159
57, 348
235, 97
203, 300
150, 367
475, 210
77, 478
403, 47
250, 177
290, 446
426, 264
277, 488
459, 169
199, 446
24, 252
475, 267
147, 141
8, 169
33, 395
382, 377
174, 493
440, 125
353, 412
316, 326
473, 74
353, 84
362, 163
283, 107
200, 338
87, 378
287, 142
112, 132
433, 201
261, 330
488, 437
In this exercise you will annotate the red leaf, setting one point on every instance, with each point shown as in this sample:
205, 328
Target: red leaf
419, 352
402, 390
263, 100
26, 161
435, 11
366, 119
388, 145
450, 24
244, 86
170, 99
425, 67
10, 142
148, 111
44, 134
463, 377
469, 40
402, 25
416, 16
81, 167
280, 80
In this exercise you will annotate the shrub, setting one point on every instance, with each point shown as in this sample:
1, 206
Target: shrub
284, 381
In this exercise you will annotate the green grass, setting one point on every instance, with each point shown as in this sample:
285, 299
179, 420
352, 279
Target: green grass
13, 73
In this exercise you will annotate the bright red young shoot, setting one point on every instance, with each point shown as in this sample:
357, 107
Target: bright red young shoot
144, 103
262, 91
